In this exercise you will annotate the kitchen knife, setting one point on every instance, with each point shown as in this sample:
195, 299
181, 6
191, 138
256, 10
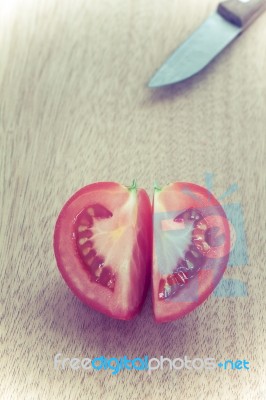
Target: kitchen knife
230, 20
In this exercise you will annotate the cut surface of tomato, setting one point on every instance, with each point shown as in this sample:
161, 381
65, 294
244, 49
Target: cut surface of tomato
191, 245
102, 244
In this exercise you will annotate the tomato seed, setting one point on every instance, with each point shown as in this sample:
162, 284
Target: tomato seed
96, 264
82, 228
83, 240
85, 251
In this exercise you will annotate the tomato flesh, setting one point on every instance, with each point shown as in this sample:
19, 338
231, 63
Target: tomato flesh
102, 245
99, 272
191, 248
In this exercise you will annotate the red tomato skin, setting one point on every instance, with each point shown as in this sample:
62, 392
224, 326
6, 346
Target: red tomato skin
144, 219
167, 311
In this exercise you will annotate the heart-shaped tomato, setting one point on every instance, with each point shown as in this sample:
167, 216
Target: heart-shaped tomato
191, 244
102, 244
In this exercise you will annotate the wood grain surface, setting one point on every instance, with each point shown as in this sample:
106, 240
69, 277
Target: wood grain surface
75, 109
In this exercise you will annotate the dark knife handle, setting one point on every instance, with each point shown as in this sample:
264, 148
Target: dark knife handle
242, 12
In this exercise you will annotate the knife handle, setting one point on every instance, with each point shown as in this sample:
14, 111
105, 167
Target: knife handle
241, 12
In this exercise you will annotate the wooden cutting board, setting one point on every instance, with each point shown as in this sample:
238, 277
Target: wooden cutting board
75, 109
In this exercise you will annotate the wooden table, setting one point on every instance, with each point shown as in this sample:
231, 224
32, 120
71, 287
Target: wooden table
74, 109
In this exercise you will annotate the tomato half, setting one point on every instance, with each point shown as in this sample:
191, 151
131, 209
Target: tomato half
191, 245
102, 244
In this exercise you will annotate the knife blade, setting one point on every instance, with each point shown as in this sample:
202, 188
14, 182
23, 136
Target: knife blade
214, 35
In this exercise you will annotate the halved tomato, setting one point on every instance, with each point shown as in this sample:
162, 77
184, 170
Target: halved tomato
102, 244
191, 245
